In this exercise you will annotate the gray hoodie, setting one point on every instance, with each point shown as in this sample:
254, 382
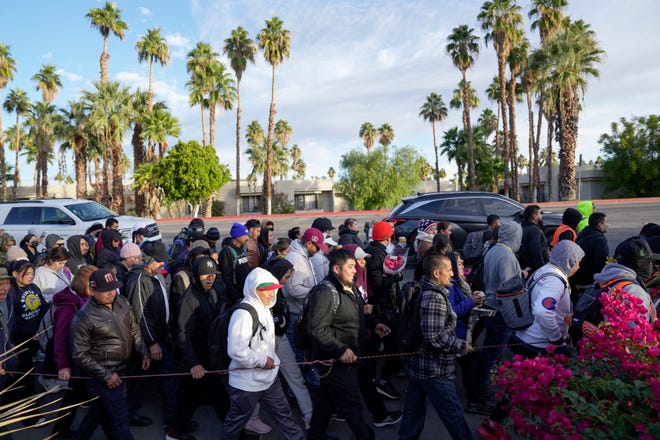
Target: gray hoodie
500, 262
616, 270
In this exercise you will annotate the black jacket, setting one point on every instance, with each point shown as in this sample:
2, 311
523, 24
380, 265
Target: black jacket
234, 268
103, 339
534, 251
380, 286
594, 244
197, 310
147, 298
346, 236
332, 334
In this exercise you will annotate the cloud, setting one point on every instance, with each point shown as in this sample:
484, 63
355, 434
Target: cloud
48, 55
179, 45
73, 77
144, 11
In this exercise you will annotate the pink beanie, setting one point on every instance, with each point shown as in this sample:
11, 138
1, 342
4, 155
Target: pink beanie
130, 250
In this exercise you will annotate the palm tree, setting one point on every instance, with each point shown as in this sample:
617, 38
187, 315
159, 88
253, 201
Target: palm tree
457, 96
463, 48
493, 94
48, 82
283, 132
221, 91
275, 41
109, 119
145, 183
331, 173
240, 49
488, 122
16, 102
517, 60
434, 110
197, 66
452, 147
75, 135
298, 165
572, 57
369, 135
44, 122
7, 69
501, 20
528, 78
154, 49
385, 135
157, 126
280, 160
106, 20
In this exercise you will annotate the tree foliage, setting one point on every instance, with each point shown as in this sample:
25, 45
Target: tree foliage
192, 173
632, 157
374, 180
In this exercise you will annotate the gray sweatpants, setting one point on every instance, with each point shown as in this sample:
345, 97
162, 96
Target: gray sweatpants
272, 400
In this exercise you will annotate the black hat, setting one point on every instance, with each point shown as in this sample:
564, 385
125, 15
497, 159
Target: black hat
156, 251
213, 233
323, 224
571, 217
142, 231
205, 266
634, 249
104, 280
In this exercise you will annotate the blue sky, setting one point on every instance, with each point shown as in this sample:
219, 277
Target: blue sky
351, 62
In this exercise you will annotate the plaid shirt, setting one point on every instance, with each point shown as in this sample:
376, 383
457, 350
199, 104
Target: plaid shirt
440, 346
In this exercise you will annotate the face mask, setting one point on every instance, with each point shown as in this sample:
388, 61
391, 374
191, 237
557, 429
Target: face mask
644, 269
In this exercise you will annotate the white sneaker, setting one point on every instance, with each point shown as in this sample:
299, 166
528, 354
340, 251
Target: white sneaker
257, 426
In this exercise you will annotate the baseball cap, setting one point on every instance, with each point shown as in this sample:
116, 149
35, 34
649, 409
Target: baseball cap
633, 249
205, 266
356, 250
322, 224
156, 251
237, 230
330, 241
104, 280
316, 237
382, 231
269, 286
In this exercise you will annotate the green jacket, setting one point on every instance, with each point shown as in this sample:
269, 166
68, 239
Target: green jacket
586, 208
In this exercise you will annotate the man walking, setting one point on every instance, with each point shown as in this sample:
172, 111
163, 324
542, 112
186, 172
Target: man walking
105, 334
534, 251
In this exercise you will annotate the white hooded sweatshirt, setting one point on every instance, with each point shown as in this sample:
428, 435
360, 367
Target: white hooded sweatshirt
248, 353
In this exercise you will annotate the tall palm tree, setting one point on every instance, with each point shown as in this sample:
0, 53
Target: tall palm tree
158, 125
48, 82
280, 160
221, 92
197, 65
385, 135
240, 49
44, 122
107, 19
517, 60
528, 79
463, 48
275, 41
298, 165
501, 19
154, 49
75, 135
434, 110
16, 102
369, 135
283, 132
572, 58
493, 94
457, 96
7, 70
452, 147
488, 122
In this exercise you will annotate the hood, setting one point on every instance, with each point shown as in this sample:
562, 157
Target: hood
571, 217
51, 239
566, 255
586, 208
67, 297
510, 234
297, 247
6, 238
73, 246
108, 235
590, 231
615, 270
255, 278
278, 266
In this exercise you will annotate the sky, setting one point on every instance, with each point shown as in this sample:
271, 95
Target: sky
351, 61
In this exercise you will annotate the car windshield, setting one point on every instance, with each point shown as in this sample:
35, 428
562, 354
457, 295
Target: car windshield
90, 211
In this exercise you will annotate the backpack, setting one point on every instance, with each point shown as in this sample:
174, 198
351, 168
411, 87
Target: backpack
514, 300
301, 338
409, 337
219, 359
588, 306
474, 245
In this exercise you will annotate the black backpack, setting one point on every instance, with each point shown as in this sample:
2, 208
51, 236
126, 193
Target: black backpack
218, 357
301, 337
409, 337
588, 306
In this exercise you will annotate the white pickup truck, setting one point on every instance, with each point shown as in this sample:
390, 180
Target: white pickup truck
66, 217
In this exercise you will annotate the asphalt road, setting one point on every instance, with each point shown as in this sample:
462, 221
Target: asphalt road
625, 219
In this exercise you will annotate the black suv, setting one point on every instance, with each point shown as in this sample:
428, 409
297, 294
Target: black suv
465, 210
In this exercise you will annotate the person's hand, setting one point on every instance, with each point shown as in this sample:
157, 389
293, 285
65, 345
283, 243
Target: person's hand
270, 363
398, 276
478, 298
568, 319
64, 374
525, 272
155, 352
348, 357
2, 370
146, 363
588, 329
382, 330
198, 371
368, 309
114, 381
468, 348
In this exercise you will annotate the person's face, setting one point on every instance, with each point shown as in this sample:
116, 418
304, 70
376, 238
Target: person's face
443, 274
57, 265
311, 248
84, 246
286, 277
4, 289
211, 242
286, 251
604, 225
254, 232
497, 223
241, 240
361, 262
270, 237
24, 277
354, 226
105, 298
346, 273
115, 243
447, 231
266, 296
574, 269
114, 226
207, 280
9, 244
33, 242
154, 267
139, 239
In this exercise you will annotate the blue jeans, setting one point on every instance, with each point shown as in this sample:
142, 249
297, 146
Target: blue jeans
290, 330
111, 406
442, 394
496, 339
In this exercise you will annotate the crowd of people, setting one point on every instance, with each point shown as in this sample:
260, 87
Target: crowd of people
98, 312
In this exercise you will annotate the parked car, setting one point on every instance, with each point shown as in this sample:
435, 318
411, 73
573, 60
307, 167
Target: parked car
465, 210
66, 217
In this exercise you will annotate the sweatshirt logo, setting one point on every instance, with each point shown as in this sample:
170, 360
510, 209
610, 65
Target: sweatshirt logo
549, 303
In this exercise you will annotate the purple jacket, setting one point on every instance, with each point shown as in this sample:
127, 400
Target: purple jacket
66, 303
